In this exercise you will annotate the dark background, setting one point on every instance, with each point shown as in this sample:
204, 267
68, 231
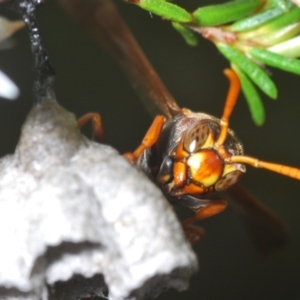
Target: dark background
89, 80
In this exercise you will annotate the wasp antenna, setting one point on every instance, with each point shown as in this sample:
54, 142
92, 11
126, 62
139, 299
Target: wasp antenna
233, 93
256, 163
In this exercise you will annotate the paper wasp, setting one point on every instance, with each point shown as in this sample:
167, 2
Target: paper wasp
194, 155
169, 156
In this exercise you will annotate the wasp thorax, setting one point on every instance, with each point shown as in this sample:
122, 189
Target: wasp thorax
196, 136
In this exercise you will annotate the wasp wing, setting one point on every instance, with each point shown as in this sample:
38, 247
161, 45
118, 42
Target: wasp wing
105, 24
266, 229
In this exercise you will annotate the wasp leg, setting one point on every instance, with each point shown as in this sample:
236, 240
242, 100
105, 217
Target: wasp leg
194, 233
149, 139
95, 118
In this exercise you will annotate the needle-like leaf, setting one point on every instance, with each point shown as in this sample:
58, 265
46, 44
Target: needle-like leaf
252, 97
189, 36
276, 60
164, 9
255, 73
214, 15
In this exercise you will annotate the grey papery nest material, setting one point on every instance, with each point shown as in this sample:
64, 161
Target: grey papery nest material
73, 212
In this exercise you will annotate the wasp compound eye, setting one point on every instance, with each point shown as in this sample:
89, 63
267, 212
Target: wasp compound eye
196, 136
228, 180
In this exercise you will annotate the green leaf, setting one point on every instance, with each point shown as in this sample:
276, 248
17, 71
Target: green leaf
281, 21
256, 20
279, 36
189, 36
276, 60
281, 4
252, 96
164, 9
219, 14
254, 72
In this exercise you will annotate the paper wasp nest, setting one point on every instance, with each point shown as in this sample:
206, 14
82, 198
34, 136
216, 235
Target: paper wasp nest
74, 213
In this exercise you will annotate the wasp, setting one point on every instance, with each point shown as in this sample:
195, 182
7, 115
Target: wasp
193, 156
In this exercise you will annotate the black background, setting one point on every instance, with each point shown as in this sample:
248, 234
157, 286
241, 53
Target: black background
89, 80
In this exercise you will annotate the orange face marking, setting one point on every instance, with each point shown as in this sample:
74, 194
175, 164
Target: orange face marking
180, 174
206, 167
